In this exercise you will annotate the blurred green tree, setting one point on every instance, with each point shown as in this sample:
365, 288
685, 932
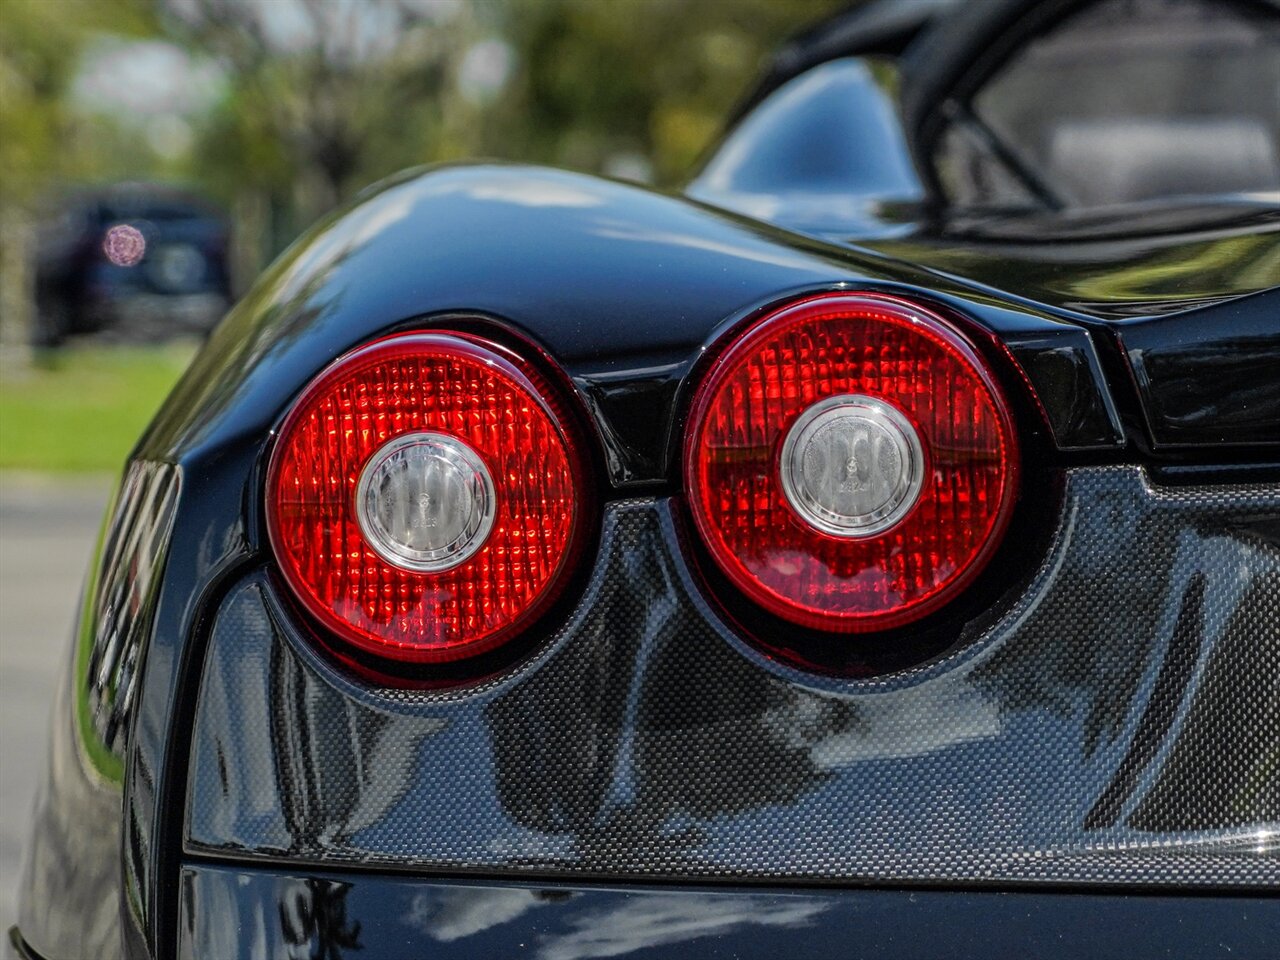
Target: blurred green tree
322, 96
325, 96
599, 80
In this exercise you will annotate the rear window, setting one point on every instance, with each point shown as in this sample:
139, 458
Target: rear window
1128, 100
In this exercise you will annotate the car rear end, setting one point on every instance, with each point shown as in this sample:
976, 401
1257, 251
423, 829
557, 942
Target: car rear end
726, 626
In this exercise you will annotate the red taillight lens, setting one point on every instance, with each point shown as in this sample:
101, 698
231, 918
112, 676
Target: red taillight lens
850, 463
425, 497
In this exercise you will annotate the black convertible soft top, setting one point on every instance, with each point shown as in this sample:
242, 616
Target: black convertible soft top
945, 48
885, 27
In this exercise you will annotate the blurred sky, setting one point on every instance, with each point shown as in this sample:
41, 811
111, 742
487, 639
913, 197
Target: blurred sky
153, 84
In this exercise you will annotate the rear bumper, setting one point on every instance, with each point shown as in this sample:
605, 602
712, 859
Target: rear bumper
1111, 722
235, 912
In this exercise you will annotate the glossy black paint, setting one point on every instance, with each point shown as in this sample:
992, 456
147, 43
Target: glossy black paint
1212, 377
228, 911
1144, 260
1065, 371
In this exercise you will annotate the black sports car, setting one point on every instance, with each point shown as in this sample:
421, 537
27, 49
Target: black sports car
873, 551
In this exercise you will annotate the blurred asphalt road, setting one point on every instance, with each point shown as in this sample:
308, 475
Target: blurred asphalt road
47, 531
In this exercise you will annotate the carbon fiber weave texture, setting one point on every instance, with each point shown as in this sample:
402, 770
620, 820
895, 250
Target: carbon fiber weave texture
1119, 722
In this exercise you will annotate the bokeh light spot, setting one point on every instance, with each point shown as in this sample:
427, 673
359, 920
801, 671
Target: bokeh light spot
124, 245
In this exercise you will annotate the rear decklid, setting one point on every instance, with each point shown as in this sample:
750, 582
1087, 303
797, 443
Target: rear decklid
1189, 294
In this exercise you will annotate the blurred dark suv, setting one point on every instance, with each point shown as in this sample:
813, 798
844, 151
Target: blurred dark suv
141, 261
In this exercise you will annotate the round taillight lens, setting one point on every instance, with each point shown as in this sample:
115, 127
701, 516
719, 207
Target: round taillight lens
850, 462
425, 497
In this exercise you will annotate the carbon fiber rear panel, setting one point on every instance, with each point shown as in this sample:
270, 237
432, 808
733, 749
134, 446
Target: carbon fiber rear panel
1118, 723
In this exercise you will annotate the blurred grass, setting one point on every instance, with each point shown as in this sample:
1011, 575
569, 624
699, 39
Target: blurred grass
81, 409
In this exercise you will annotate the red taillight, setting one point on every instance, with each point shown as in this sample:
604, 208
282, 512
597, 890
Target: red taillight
850, 462
425, 497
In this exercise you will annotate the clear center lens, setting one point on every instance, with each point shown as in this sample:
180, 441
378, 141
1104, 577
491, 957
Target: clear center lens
426, 502
852, 466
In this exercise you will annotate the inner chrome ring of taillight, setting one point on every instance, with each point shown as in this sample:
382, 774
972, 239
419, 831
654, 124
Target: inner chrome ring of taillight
852, 466
426, 502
